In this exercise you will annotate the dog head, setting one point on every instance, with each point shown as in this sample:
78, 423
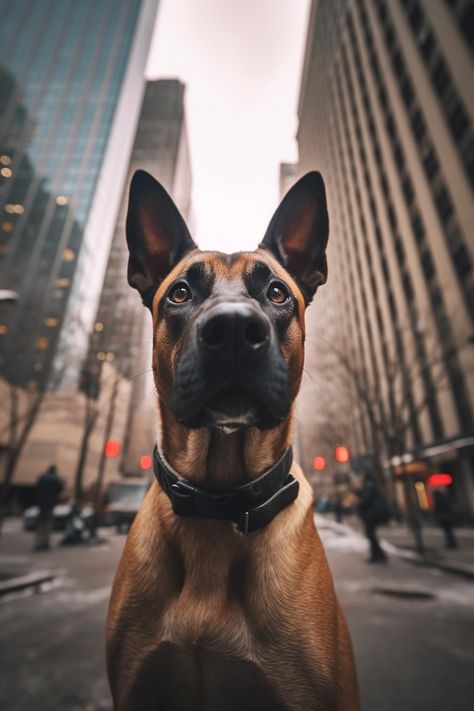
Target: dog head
228, 328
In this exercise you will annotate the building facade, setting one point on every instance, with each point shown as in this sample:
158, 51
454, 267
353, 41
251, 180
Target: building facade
71, 84
122, 331
386, 113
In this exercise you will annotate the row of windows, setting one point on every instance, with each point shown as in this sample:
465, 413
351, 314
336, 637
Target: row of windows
463, 12
391, 215
357, 267
443, 326
319, 131
431, 164
451, 103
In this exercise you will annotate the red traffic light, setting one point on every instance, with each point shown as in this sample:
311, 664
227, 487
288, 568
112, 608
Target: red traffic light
319, 463
112, 448
439, 480
145, 462
341, 454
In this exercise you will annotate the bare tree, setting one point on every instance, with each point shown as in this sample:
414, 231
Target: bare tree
19, 428
391, 401
91, 387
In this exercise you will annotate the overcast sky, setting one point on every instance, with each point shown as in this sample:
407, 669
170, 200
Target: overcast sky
241, 63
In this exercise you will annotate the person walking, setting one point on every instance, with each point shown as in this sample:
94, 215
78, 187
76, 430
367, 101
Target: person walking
338, 507
373, 511
48, 489
444, 516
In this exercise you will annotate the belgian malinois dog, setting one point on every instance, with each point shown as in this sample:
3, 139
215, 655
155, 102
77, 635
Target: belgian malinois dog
223, 599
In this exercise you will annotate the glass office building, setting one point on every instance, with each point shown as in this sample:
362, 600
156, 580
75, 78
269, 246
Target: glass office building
71, 86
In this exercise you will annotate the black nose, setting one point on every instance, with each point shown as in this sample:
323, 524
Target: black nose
234, 328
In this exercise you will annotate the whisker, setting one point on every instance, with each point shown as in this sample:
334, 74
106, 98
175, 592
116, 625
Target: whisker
148, 370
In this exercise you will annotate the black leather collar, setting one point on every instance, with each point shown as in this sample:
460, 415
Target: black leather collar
251, 506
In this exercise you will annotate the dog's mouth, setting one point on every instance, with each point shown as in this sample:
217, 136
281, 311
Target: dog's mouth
231, 395
233, 408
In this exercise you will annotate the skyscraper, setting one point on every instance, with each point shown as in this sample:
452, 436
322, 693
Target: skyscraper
71, 84
122, 330
386, 113
161, 148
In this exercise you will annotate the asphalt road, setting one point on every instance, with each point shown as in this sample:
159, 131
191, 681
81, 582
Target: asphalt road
412, 629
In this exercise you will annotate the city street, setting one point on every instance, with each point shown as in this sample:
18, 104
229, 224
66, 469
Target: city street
412, 627
226, 228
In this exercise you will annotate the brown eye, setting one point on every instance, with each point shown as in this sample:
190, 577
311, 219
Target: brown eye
180, 293
277, 293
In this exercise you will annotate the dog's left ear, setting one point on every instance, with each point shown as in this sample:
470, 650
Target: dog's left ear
157, 235
298, 233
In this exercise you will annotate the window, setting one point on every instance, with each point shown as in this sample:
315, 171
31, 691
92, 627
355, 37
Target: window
399, 250
427, 43
457, 120
418, 228
444, 204
416, 17
407, 188
418, 124
392, 217
427, 265
430, 161
390, 124
398, 155
440, 76
407, 286
462, 261
407, 91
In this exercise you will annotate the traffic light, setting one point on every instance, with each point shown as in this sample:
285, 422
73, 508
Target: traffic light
439, 480
145, 462
319, 463
112, 448
341, 454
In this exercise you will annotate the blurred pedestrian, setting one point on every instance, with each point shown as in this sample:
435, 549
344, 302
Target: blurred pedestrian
444, 516
338, 507
48, 489
373, 511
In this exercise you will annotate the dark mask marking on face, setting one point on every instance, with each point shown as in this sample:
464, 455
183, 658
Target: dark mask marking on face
257, 280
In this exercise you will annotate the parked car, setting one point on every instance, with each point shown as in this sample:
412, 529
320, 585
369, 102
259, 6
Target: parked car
61, 514
123, 500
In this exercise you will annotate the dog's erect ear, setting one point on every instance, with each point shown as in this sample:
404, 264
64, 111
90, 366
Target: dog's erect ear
298, 233
157, 235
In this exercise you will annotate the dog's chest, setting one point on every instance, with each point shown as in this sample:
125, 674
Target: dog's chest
196, 678
209, 611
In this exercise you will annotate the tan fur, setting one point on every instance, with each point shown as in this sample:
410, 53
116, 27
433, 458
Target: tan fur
256, 611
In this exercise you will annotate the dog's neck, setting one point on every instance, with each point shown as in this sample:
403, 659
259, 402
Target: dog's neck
213, 459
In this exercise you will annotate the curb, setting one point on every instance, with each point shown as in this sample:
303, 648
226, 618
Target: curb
23, 582
460, 570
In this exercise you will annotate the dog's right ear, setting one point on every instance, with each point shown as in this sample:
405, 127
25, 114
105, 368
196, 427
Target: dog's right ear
157, 235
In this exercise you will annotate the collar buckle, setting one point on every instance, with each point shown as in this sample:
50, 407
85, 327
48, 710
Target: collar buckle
182, 498
189, 500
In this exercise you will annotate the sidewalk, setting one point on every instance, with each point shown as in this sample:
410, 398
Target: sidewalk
397, 539
23, 569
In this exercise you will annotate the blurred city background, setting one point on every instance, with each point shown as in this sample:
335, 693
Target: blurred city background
228, 104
